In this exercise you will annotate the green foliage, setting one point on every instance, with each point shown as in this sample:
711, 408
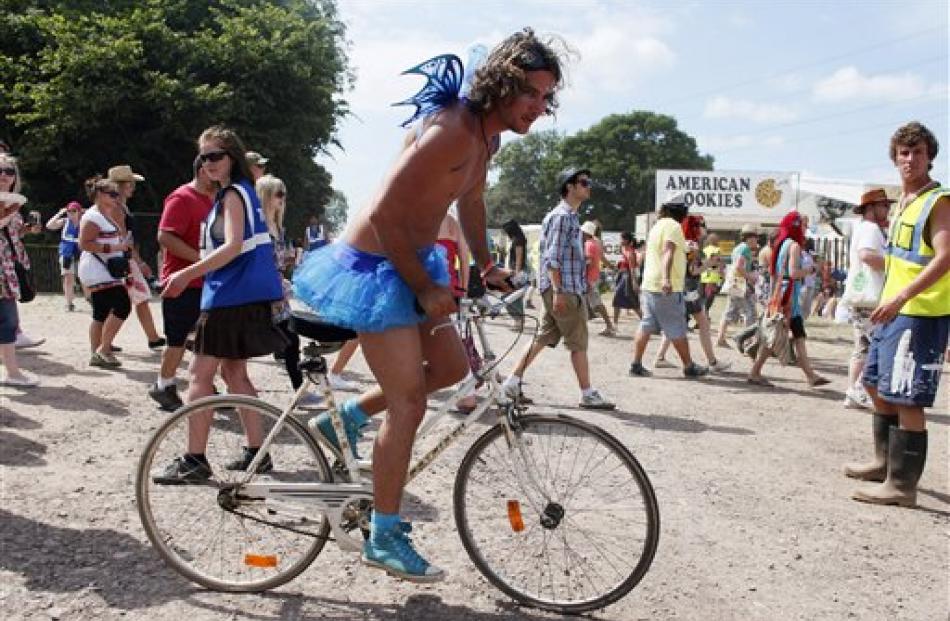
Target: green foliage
527, 172
336, 212
623, 152
89, 84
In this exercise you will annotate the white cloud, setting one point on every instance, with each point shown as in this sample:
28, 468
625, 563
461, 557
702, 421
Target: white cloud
722, 107
849, 83
618, 50
788, 83
714, 144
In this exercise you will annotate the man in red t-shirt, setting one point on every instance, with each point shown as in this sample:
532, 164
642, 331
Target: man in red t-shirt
179, 231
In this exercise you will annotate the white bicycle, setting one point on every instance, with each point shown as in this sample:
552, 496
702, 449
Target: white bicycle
552, 510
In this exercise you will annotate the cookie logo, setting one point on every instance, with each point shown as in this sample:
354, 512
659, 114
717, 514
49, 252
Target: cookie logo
767, 194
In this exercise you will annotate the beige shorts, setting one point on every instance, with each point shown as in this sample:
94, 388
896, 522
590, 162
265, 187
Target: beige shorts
571, 325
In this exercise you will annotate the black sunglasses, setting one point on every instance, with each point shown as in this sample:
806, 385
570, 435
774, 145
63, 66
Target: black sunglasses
111, 193
584, 182
8, 171
212, 156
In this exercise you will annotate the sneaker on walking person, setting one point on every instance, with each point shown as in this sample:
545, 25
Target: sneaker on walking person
23, 380
247, 456
25, 342
512, 389
637, 369
104, 360
591, 399
857, 398
695, 370
167, 398
392, 551
184, 469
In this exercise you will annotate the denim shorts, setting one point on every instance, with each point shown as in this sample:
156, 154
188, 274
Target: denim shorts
909, 377
663, 313
9, 321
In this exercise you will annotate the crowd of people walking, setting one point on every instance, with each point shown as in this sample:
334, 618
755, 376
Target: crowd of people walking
227, 259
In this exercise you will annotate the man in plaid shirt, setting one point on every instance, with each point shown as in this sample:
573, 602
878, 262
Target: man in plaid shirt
563, 289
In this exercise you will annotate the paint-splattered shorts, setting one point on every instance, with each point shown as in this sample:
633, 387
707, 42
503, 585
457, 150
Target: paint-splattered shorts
905, 359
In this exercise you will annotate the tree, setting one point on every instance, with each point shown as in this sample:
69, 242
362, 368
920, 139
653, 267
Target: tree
623, 152
527, 170
88, 84
336, 212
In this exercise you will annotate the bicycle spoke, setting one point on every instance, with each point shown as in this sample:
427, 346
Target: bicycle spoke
558, 562
240, 545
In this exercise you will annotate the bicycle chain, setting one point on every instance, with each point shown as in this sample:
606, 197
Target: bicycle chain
280, 526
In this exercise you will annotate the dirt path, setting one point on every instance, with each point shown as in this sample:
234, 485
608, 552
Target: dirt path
756, 517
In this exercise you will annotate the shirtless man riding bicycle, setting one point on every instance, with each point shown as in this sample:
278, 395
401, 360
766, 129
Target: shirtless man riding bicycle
387, 264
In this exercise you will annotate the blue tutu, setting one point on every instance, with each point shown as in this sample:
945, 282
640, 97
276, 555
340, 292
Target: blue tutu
362, 291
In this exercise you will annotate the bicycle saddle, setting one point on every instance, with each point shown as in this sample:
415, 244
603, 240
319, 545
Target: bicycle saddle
310, 325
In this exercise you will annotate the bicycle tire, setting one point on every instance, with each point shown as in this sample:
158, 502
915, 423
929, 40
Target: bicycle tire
490, 537
164, 509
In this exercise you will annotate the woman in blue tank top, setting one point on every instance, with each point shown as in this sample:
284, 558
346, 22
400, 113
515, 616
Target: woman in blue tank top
787, 274
240, 284
66, 220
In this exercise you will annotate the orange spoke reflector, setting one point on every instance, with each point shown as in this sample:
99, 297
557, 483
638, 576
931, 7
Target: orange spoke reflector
260, 560
514, 516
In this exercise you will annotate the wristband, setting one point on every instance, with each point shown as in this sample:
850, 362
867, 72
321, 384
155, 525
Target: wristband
488, 268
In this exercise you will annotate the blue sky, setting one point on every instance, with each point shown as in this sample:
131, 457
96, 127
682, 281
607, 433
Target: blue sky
815, 87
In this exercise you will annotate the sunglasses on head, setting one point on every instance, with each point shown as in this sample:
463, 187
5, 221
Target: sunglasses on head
8, 171
280, 194
212, 156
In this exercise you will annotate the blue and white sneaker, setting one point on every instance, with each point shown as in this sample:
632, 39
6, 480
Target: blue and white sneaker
394, 553
323, 425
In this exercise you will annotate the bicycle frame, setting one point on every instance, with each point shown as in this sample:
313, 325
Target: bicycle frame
332, 498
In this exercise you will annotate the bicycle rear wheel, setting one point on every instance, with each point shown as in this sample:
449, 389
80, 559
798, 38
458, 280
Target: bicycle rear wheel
206, 530
563, 518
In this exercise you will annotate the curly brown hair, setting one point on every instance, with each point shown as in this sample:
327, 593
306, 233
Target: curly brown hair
909, 135
504, 74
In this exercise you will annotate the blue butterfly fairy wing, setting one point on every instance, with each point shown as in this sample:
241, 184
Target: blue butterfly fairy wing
443, 81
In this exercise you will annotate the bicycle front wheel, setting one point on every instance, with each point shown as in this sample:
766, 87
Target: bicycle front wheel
561, 517
204, 527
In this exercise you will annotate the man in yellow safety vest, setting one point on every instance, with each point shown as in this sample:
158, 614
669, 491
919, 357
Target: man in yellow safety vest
902, 372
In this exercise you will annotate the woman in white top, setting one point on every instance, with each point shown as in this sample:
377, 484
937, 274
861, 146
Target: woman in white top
101, 239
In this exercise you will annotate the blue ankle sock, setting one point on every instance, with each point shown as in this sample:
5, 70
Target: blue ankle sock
381, 523
351, 409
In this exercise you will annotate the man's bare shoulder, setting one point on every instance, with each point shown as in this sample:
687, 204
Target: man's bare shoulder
453, 132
